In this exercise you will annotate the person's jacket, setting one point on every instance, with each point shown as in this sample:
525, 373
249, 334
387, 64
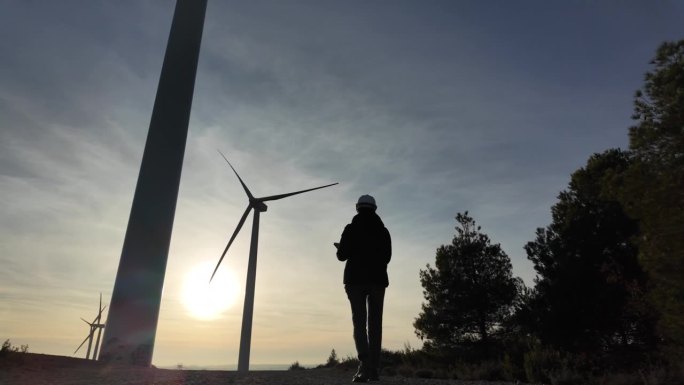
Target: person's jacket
367, 247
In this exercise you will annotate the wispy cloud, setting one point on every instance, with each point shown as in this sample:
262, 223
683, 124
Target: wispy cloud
433, 108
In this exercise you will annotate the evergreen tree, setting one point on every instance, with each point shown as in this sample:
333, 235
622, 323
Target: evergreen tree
654, 192
589, 293
470, 291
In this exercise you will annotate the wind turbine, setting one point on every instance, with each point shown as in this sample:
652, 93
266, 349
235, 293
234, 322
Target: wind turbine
248, 311
95, 325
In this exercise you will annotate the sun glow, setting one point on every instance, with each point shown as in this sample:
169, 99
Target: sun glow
206, 300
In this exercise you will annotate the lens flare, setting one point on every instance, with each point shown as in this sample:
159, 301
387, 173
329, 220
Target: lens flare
205, 300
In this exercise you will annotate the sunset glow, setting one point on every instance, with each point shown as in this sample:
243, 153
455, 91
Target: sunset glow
205, 300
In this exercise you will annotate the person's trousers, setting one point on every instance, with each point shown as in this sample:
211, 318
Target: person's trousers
366, 306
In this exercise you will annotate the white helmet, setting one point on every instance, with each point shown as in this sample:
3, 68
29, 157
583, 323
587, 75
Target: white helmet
366, 201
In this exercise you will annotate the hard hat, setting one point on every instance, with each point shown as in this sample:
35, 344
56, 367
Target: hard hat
366, 201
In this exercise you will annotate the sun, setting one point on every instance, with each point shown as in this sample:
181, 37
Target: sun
206, 300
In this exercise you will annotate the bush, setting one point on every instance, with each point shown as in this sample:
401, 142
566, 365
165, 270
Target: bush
349, 363
510, 370
389, 371
405, 371
296, 366
567, 376
541, 363
406, 357
332, 360
557, 368
533, 364
7, 348
486, 370
662, 375
12, 354
623, 379
424, 373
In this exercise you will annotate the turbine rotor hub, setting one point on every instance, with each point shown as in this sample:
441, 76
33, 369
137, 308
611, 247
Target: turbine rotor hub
259, 206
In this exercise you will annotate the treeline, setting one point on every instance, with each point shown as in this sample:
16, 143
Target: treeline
608, 297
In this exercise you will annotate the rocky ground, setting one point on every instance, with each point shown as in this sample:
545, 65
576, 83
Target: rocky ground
42, 369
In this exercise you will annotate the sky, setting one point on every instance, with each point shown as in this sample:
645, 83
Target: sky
433, 107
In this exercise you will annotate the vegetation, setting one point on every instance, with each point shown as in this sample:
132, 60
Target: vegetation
7, 349
12, 355
589, 295
296, 366
607, 306
332, 360
653, 190
470, 292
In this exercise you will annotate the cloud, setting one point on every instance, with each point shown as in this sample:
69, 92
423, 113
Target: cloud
434, 109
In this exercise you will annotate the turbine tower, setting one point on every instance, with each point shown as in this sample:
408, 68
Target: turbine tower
136, 298
95, 325
248, 311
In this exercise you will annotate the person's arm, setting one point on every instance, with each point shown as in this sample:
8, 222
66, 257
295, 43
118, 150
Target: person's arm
388, 246
343, 246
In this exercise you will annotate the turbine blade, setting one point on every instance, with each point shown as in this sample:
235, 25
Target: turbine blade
79, 346
244, 186
281, 196
90, 335
232, 238
99, 315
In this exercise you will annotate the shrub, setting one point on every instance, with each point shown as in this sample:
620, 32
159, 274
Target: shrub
406, 357
389, 371
541, 363
567, 376
424, 373
7, 348
405, 371
623, 379
511, 371
12, 354
662, 375
348, 363
332, 360
486, 370
296, 366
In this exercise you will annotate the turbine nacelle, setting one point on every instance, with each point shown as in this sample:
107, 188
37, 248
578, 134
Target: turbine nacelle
258, 205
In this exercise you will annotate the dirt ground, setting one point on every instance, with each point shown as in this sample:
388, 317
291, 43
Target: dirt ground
42, 369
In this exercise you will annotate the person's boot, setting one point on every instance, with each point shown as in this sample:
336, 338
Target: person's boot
361, 374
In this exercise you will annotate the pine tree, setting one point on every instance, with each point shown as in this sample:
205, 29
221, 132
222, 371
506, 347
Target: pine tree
470, 291
589, 292
654, 192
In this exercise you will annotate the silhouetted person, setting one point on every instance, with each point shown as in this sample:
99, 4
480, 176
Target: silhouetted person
367, 247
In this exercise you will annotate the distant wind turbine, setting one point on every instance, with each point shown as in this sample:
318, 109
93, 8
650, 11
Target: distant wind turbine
95, 325
258, 205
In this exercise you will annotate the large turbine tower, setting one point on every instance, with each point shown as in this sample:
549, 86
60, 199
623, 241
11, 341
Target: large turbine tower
248, 311
134, 307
